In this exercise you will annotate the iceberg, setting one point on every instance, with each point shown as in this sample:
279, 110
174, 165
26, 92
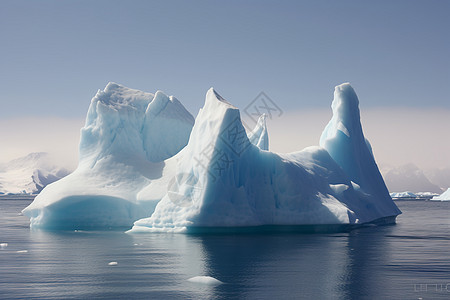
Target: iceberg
206, 280
226, 178
122, 149
445, 196
406, 194
146, 165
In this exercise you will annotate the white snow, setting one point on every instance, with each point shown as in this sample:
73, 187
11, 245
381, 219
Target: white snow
403, 195
445, 196
127, 135
259, 136
206, 280
134, 165
29, 174
232, 182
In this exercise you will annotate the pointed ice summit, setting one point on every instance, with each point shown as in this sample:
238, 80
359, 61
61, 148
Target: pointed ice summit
143, 159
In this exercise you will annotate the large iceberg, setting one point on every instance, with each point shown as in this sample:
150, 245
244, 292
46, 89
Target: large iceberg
143, 159
226, 179
122, 150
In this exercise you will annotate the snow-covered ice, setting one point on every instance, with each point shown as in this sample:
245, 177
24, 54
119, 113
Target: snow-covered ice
139, 160
29, 174
445, 196
122, 150
406, 194
230, 181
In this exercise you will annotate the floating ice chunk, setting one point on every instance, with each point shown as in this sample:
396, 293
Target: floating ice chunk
445, 196
222, 178
113, 263
403, 195
126, 138
206, 280
22, 251
3, 245
237, 185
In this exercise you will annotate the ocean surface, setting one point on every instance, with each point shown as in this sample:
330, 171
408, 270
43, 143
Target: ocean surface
409, 260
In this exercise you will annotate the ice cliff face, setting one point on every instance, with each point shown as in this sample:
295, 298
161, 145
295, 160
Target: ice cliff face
127, 123
122, 149
131, 168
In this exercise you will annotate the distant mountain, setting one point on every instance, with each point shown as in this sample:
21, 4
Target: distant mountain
408, 178
440, 176
29, 174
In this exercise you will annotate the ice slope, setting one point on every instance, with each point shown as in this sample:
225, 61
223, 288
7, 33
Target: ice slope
223, 179
126, 138
445, 196
29, 174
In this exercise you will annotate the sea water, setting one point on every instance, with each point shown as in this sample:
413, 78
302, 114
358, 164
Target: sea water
409, 260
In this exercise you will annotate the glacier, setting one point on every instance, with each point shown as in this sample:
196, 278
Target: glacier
146, 165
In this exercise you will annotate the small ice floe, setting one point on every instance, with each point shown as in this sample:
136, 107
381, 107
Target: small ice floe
113, 263
3, 245
22, 251
207, 280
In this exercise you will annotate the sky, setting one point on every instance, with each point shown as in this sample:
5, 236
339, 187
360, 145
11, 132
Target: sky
55, 55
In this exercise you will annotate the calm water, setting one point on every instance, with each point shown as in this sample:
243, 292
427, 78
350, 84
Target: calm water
410, 260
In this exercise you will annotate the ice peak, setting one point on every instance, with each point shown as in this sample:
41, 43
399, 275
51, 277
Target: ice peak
213, 96
158, 103
345, 99
344, 140
118, 96
111, 86
262, 120
259, 136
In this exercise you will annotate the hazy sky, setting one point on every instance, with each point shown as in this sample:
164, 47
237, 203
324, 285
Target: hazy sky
54, 55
